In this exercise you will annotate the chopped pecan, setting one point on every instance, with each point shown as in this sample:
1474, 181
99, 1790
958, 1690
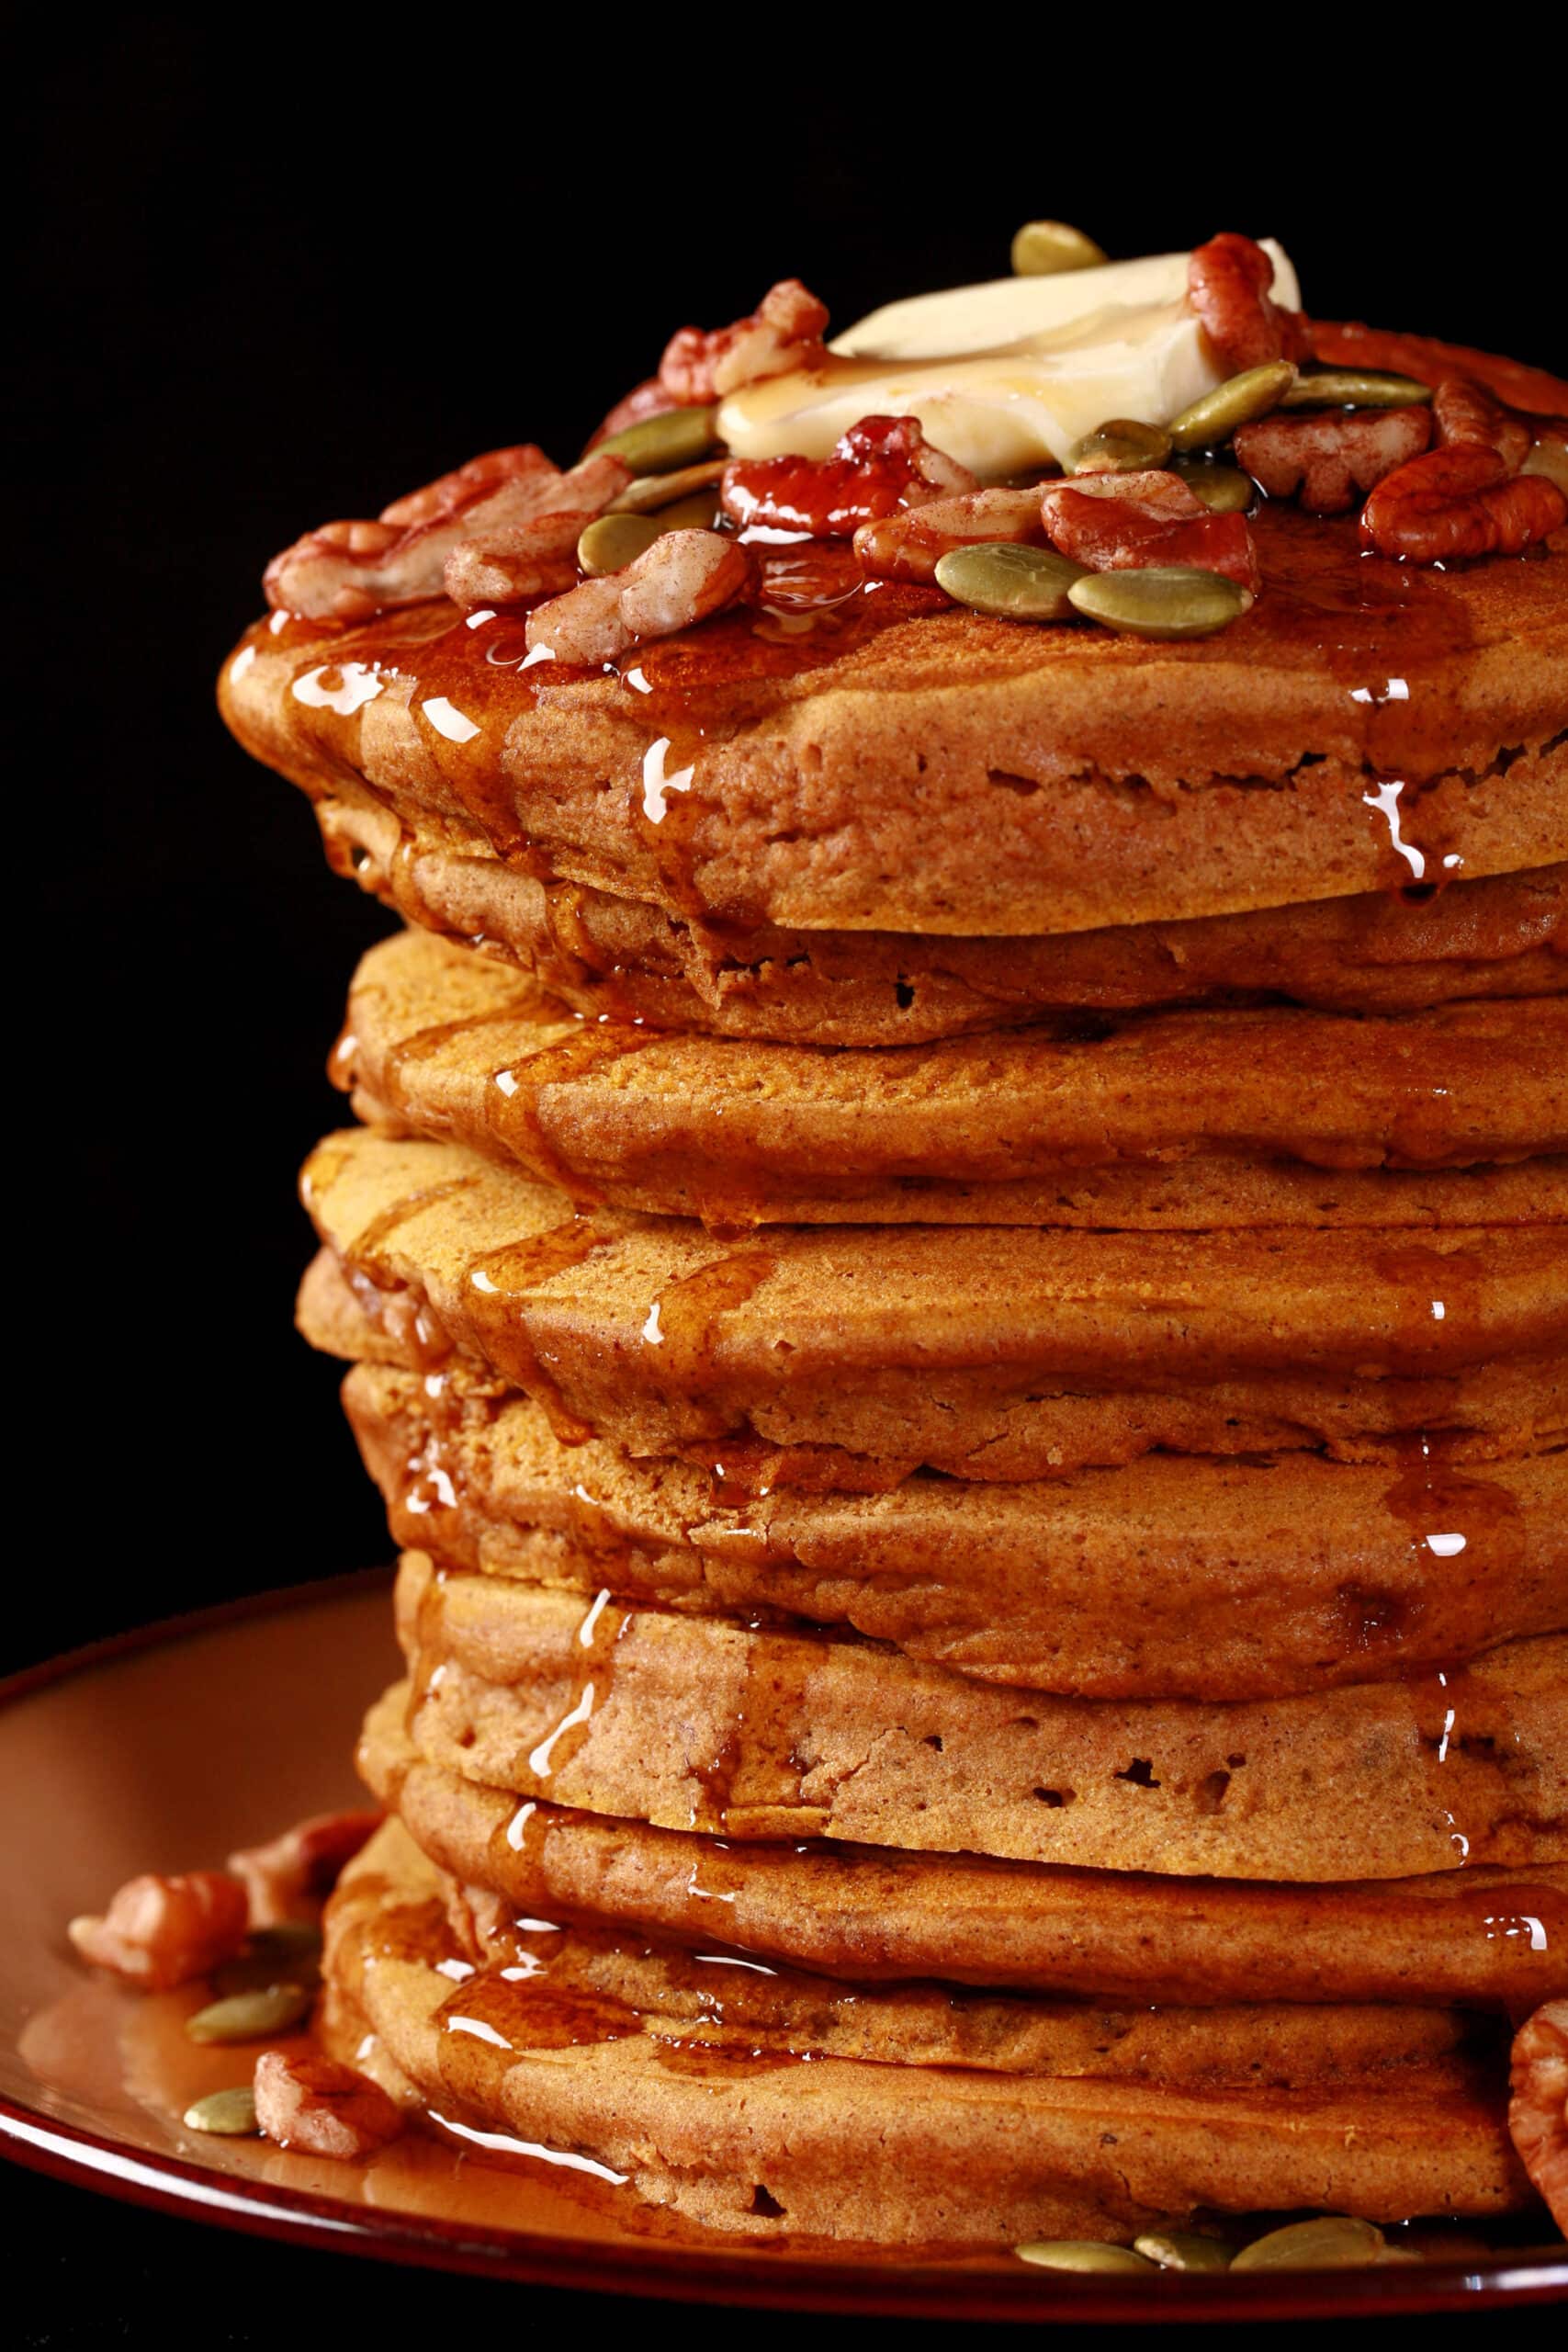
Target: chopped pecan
1326, 460
514, 549
909, 545
1459, 502
1130, 521
1538, 2111
882, 465
1227, 283
348, 571
682, 579
1467, 415
785, 331
160, 1931
311, 2103
287, 1877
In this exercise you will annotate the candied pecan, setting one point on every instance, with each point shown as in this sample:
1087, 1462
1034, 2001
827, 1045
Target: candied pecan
1467, 415
1326, 460
286, 1878
160, 1931
465, 485
510, 554
682, 579
348, 571
1130, 521
1459, 502
909, 545
1538, 2111
1227, 283
311, 2103
882, 465
785, 331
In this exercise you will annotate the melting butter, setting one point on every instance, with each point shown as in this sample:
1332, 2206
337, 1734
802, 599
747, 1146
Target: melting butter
1002, 376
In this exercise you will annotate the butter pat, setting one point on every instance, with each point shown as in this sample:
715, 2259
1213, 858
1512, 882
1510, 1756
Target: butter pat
1002, 376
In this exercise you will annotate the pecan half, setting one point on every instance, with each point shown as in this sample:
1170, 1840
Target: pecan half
881, 465
785, 331
349, 570
909, 545
287, 1878
1538, 2111
160, 1930
1457, 502
516, 548
1227, 284
1467, 415
1324, 459
682, 577
1130, 522
311, 2103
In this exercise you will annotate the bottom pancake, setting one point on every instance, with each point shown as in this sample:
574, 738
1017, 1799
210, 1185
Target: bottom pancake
773, 2140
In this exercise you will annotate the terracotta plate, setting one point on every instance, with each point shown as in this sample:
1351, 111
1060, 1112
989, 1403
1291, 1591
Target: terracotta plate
167, 1749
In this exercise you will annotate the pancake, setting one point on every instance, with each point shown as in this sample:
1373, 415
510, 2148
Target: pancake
986, 1352
897, 764
851, 2149
440, 1041
707, 1723
1172, 1578
1382, 952
1480, 1938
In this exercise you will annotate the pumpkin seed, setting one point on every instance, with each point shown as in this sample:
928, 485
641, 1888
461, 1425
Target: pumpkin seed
1124, 445
1237, 401
1042, 247
1332, 2242
1549, 458
612, 541
657, 444
1011, 582
232, 2113
289, 1953
1165, 600
1223, 488
651, 491
251, 2017
698, 513
1079, 2253
1354, 387
1177, 2250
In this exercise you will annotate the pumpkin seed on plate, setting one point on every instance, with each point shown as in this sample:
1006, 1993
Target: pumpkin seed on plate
1042, 247
1079, 2253
1179, 2250
1215, 416
1124, 445
1224, 490
1354, 387
230, 2113
657, 444
1009, 581
1549, 458
612, 541
251, 2017
651, 491
1331, 2242
1162, 601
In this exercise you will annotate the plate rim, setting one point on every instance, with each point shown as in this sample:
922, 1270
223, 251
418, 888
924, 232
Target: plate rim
82, 2157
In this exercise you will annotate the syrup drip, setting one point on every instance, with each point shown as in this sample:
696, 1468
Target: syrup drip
420, 1045
514, 1109
593, 1653
682, 1333
498, 1284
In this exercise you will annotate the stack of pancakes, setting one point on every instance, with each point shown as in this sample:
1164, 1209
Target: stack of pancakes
954, 1272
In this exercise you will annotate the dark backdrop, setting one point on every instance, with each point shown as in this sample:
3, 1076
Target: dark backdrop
285, 269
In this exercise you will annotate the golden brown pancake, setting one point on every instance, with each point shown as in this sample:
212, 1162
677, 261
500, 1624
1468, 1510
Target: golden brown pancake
1481, 1938
1170, 1578
1386, 951
845, 2148
442, 1042
903, 764
706, 1723
987, 1351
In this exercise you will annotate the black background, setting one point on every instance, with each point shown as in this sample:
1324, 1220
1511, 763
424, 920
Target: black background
277, 270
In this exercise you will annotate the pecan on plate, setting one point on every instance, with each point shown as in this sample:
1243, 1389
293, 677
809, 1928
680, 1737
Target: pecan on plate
1457, 502
160, 1931
785, 331
1324, 459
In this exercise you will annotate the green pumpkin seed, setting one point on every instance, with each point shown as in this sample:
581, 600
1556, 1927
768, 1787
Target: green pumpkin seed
1011, 581
289, 1954
657, 444
1549, 459
1354, 387
698, 513
1223, 488
1177, 2250
1236, 402
1079, 2253
230, 2113
612, 541
251, 2017
1042, 247
1332, 2242
1164, 601
652, 492
1124, 445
